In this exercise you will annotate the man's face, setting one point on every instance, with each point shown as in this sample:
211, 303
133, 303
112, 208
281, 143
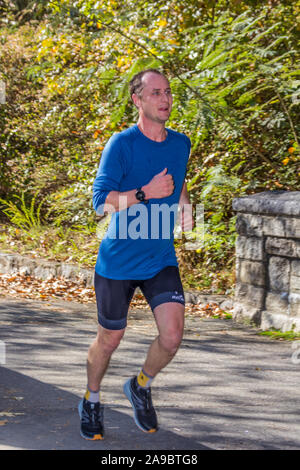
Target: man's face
155, 100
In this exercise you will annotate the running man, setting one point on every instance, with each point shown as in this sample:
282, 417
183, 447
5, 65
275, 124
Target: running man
142, 171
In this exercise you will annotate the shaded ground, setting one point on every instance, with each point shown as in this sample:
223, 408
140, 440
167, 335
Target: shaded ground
227, 388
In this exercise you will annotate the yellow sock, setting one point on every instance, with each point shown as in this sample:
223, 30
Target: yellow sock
91, 396
144, 380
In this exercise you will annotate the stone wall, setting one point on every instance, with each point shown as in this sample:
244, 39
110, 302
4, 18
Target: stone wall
268, 259
42, 269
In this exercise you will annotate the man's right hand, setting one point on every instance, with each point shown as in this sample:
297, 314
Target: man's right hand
161, 185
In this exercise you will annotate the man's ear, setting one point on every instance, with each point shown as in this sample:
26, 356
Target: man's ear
136, 100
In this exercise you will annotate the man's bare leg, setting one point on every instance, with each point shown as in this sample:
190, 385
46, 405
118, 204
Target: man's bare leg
90, 409
99, 355
170, 323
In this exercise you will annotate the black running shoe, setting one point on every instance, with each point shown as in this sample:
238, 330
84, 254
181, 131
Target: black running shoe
91, 417
140, 399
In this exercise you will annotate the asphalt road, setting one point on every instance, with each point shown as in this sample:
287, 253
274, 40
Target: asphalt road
227, 388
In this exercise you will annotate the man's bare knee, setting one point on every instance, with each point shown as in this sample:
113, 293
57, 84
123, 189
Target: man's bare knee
109, 340
170, 342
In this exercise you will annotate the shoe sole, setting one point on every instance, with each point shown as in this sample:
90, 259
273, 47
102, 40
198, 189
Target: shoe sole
126, 389
96, 437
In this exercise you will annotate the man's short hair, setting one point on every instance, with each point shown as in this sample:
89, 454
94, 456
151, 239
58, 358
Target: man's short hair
136, 85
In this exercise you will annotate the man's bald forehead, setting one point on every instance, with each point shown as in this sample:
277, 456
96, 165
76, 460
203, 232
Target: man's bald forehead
150, 76
137, 83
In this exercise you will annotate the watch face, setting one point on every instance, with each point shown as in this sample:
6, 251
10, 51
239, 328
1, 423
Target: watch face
140, 195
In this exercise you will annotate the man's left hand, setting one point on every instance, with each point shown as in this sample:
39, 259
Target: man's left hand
186, 217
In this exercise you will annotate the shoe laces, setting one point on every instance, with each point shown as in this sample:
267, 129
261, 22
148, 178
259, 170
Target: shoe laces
94, 411
147, 397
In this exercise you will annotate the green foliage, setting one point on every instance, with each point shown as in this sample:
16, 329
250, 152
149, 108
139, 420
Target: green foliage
233, 69
280, 335
25, 216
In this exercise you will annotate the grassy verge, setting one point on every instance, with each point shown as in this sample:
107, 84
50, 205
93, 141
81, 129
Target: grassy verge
280, 335
74, 245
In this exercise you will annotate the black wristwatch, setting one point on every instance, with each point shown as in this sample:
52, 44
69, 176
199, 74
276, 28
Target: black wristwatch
140, 195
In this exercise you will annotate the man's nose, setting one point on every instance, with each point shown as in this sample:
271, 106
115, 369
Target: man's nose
165, 97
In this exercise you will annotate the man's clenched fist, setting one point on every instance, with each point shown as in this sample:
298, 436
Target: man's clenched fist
161, 185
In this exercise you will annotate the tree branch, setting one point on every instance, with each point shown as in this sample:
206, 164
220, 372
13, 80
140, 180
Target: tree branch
218, 113
288, 115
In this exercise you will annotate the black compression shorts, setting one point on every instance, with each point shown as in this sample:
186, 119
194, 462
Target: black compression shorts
114, 296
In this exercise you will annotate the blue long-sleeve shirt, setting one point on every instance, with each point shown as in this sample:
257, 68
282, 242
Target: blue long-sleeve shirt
139, 241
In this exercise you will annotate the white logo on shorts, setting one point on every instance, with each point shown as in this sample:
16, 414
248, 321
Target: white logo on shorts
177, 297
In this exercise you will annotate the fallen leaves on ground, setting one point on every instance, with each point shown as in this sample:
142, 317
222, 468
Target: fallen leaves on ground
210, 309
28, 287
24, 286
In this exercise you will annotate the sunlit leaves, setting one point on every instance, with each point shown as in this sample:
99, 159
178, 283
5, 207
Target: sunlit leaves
233, 68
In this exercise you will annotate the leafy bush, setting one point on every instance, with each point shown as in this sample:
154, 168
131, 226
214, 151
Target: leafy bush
233, 71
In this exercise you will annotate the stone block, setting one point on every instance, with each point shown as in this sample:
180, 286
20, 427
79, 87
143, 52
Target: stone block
295, 284
284, 303
44, 271
277, 302
87, 276
274, 202
283, 247
6, 263
242, 312
69, 271
249, 225
226, 304
274, 226
296, 325
249, 247
295, 267
277, 321
295, 277
250, 295
279, 272
237, 269
252, 272
294, 305
292, 227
